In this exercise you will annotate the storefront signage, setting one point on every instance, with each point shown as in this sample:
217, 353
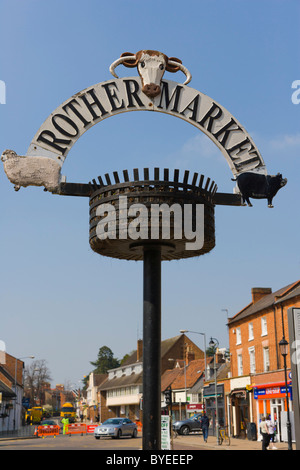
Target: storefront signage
271, 392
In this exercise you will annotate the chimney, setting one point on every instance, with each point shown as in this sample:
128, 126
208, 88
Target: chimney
259, 292
189, 355
139, 351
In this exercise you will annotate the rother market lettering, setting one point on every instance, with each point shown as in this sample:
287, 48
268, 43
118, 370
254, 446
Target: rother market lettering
69, 121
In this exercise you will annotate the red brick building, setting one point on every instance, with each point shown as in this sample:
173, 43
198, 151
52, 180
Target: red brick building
257, 374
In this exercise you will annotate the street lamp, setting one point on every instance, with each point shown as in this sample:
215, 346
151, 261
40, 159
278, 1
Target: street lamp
16, 363
204, 336
283, 346
214, 343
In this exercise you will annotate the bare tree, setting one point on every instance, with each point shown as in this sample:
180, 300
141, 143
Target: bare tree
36, 375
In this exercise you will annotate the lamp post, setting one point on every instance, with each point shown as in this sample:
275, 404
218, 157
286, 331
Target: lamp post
204, 336
283, 346
214, 343
16, 364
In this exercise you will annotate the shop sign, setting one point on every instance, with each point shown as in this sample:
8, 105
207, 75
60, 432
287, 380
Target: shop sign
271, 392
195, 407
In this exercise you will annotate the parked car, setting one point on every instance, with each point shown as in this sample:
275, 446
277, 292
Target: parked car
188, 425
116, 427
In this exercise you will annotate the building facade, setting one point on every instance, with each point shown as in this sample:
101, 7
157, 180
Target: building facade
257, 368
121, 394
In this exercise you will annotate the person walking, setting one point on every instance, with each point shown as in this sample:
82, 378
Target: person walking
204, 423
264, 430
271, 427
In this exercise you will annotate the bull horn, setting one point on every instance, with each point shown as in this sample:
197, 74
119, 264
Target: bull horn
118, 62
183, 69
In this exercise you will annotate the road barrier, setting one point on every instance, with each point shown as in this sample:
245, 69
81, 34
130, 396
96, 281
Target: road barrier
139, 426
45, 431
79, 428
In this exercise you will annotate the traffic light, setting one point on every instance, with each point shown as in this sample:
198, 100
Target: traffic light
168, 396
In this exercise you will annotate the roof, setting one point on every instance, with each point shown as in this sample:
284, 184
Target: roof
166, 345
281, 295
99, 378
6, 391
175, 378
124, 381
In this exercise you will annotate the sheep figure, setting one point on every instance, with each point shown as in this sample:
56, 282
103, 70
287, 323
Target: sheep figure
31, 171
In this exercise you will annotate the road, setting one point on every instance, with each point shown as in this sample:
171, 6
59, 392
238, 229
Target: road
76, 442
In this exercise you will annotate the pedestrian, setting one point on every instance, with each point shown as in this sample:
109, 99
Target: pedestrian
264, 431
272, 428
65, 422
204, 424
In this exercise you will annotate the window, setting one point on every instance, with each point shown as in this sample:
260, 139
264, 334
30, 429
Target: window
250, 330
264, 329
266, 359
240, 364
238, 336
252, 360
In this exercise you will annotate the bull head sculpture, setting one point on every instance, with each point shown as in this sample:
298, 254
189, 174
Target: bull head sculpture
151, 66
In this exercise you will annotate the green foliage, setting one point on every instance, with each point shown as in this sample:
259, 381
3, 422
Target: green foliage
105, 361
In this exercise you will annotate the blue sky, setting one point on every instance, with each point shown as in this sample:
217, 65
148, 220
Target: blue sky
58, 299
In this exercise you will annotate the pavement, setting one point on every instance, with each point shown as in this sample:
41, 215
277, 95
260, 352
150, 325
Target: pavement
195, 442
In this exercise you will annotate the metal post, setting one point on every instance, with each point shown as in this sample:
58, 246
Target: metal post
288, 422
152, 349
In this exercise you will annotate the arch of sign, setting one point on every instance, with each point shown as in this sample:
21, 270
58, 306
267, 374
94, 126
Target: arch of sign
83, 110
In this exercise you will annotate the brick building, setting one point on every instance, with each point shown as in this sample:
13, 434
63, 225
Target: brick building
257, 374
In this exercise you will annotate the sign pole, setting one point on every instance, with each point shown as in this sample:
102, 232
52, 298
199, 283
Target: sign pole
152, 348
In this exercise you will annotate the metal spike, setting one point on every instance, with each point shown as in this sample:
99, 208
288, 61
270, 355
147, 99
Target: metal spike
195, 179
146, 174
156, 174
201, 181
207, 183
136, 174
107, 179
101, 181
186, 176
126, 177
176, 176
116, 176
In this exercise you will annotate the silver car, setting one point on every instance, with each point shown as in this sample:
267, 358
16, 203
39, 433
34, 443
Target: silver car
116, 427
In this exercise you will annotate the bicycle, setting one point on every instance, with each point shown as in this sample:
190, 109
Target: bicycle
224, 436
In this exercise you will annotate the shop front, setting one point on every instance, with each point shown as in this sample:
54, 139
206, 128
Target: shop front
271, 401
241, 412
214, 399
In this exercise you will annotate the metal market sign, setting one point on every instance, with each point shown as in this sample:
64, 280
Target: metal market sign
67, 123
